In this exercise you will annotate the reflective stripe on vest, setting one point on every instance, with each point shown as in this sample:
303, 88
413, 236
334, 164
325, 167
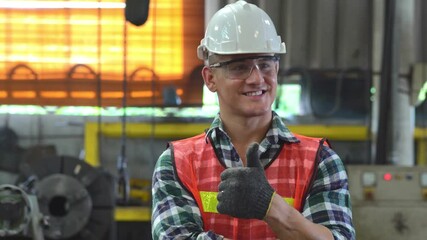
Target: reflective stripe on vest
209, 201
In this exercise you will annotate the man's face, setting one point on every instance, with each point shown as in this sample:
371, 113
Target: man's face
245, 84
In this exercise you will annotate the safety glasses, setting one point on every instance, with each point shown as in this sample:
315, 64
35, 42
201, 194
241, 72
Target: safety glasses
242, 68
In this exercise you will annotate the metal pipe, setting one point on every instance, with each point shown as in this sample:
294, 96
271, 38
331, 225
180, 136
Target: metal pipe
388, 75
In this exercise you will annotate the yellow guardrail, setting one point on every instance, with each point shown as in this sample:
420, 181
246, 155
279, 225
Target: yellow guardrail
131, 213
420, 135
182, 130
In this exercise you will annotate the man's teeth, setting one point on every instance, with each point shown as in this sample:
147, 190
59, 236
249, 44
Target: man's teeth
257, 93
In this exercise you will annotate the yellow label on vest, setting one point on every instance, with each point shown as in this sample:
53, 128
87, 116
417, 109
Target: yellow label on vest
289, 201
210, 202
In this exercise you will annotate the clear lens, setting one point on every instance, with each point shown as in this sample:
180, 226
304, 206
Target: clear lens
242, 68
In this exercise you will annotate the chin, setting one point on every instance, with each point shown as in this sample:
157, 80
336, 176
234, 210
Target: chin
257, 112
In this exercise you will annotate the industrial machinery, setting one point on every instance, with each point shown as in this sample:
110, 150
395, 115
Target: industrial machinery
76, 200
389, 202
46, 196
329, 93
19, 214
58, 198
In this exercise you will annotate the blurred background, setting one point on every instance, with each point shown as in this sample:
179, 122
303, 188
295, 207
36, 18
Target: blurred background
91, 92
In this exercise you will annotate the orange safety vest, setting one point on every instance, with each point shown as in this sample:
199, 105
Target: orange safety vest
198, 169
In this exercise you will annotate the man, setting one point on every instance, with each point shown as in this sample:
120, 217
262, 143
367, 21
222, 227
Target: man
248, 176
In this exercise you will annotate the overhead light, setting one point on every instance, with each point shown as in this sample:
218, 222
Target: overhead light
60, 5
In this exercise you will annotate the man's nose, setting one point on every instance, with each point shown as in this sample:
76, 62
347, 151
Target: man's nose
255, 75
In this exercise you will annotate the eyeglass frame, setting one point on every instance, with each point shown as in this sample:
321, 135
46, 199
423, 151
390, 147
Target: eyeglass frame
275, 58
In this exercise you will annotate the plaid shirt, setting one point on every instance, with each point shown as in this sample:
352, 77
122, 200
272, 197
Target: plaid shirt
176, 214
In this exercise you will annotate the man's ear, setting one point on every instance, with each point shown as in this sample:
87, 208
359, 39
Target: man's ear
209, 79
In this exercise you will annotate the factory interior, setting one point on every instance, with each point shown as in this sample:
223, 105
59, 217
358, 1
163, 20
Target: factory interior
92, 91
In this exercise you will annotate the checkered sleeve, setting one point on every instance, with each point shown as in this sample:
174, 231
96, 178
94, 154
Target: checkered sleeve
328, 202
175, 214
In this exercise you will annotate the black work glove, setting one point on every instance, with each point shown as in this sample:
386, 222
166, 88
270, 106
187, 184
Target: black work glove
244, 192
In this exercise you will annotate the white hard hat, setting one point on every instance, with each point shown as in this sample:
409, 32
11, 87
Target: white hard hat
240, 28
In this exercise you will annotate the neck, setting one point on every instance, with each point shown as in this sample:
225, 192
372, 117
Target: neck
244, 131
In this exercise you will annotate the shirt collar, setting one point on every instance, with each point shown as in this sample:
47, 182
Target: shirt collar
277, 132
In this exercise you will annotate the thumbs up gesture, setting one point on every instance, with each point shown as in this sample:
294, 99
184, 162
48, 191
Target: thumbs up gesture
245, 192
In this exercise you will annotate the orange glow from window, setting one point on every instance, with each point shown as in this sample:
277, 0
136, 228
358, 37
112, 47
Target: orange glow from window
65, 51
141, 94
53, 40
24, 94
112, 94
179, 91
55, 94
87, 94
